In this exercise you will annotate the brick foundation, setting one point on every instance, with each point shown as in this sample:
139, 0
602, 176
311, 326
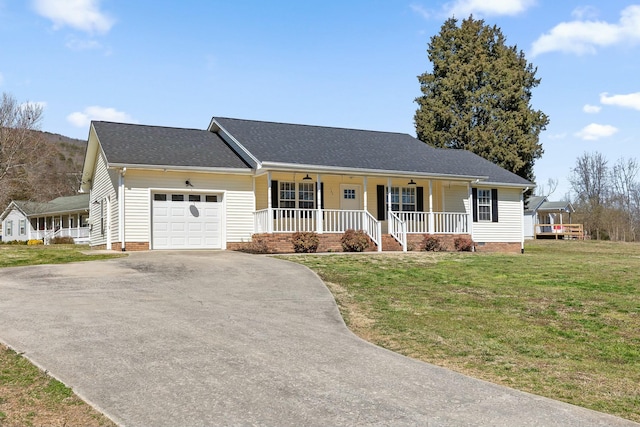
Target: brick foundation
280, 243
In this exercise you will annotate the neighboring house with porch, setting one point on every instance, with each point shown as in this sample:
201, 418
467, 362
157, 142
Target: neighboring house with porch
155, 187
61, 217
547, 219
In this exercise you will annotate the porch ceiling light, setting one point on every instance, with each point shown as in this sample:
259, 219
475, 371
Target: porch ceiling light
412, 182
307, 178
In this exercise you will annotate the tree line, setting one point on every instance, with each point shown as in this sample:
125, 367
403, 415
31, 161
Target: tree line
607, 196
31, 166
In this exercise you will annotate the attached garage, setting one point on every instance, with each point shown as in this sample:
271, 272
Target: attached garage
186, 221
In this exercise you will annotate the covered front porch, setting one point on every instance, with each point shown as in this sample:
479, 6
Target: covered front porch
74, 225
288, 202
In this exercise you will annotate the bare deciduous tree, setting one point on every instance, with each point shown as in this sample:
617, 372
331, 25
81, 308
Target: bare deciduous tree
590, 181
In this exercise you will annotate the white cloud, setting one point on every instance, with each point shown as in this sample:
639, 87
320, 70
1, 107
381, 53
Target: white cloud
595, 131
630, 100
585, 12
581, 37
420, 10
464, 8
83, 118
591, 109
77, 44
84, 15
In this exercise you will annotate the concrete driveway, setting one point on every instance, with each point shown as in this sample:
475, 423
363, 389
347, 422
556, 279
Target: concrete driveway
224, 338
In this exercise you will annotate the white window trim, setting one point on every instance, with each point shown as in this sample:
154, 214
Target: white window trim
296, 190
487, 205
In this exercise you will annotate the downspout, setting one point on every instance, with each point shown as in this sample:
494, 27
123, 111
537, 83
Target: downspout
522, 220
121, 208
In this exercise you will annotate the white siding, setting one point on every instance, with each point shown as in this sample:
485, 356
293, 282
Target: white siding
454, 198
529, 225
509, 225
238, 200
104, 186
15, 216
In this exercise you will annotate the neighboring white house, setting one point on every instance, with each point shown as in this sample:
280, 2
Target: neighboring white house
64, 216
155, 187
545, 218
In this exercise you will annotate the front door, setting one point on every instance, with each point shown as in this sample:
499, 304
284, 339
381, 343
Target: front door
350, 197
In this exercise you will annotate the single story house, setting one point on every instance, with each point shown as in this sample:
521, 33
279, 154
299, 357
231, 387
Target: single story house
154, 187
61, 217
550, 219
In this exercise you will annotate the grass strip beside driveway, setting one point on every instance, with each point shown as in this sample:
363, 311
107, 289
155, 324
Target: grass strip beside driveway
22, 255
561, 321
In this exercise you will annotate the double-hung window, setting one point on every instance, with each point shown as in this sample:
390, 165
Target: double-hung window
484, 205
9, 230
287, 195
403, 199
23, 227
306, 193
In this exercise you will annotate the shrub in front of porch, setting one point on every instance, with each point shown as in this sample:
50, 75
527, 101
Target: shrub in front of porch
354, 241
35, 242
463, 244
62, 240
305, 242
432, 244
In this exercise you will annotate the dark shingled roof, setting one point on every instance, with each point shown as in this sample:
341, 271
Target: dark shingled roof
359, 149
164, 146
79, 202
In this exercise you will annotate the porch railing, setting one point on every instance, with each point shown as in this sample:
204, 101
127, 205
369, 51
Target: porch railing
435, 222
450, 223
398, 229
79, 235
289, 220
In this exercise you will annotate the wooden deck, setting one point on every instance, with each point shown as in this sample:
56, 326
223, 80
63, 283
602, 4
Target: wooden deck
559, 231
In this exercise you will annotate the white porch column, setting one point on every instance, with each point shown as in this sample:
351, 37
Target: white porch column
470, 213
269, 205
319, 227
431, 219
365, 200
388, 198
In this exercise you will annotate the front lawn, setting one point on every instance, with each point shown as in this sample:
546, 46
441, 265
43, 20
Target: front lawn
562, 320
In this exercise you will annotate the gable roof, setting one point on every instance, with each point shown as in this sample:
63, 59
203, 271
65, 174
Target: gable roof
129, 144
541, 203
304, 145
59, 205
242, 145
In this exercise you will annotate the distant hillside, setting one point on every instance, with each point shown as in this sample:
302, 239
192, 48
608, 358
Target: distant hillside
55, 172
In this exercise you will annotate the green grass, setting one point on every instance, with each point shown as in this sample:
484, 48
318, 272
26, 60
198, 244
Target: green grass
562, 320
21, 255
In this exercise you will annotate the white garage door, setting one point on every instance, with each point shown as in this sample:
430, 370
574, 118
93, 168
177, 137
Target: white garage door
186, 221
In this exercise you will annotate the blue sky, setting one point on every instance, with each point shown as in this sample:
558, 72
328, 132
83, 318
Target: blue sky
335, 63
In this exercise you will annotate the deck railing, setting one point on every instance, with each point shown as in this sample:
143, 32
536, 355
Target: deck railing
560, 231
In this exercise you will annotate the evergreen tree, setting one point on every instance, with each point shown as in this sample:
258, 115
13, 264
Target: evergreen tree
478, 97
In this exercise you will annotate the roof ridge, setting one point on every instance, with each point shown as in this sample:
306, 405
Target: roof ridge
147, 126
314, 126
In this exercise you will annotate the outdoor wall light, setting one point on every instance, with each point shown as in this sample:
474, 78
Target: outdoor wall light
188, 183
412, 182
306, 178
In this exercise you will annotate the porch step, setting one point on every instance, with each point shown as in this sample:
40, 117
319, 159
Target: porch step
390, 244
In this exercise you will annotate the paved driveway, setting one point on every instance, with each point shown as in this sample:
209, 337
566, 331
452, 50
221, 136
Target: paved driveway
223, 338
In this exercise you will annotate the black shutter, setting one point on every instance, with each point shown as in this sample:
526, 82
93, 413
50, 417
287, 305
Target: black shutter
494, 205
420, 199
381, 198
322, 195
474, 201
274, 196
